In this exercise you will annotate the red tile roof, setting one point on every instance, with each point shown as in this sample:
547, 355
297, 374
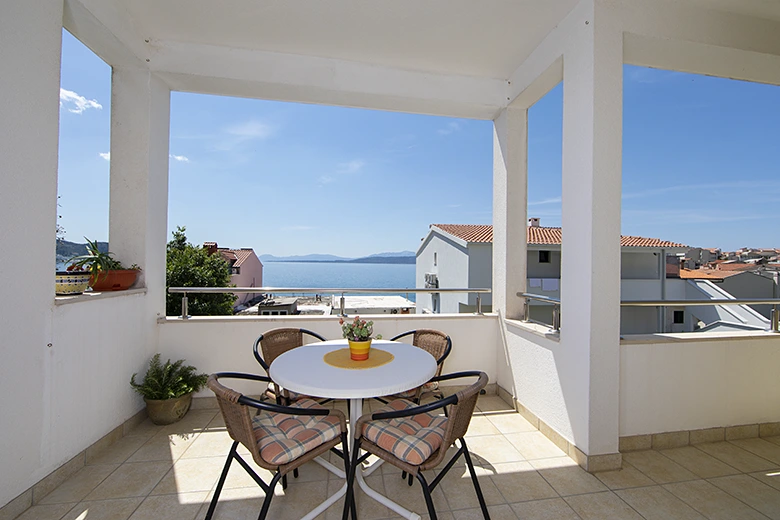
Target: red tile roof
705, 274
539, 236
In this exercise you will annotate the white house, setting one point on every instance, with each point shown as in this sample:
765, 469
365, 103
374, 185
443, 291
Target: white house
246, 270
461, 255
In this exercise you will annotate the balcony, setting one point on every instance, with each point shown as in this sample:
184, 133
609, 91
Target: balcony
595, 396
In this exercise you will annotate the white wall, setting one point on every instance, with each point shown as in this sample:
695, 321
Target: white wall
691, 384
452, 270
480, 272
547, 270
751, 285
225, 343
639, 266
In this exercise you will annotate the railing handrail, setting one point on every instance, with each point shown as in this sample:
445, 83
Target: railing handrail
774, 321
317, 290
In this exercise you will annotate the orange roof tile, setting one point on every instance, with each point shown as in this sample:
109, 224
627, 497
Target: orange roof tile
705, 274
540, 236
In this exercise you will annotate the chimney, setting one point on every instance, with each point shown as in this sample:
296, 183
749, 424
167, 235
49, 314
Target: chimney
211, 247
533, 222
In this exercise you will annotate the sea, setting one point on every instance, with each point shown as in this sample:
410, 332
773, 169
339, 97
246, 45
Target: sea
333, 275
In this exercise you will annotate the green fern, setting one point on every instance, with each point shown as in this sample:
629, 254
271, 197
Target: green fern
169, 380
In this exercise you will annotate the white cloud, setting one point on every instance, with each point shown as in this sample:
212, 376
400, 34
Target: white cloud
326, 179
106, 156
542, 202
452, 127
352, 166
180, 158
250, 130
75, 103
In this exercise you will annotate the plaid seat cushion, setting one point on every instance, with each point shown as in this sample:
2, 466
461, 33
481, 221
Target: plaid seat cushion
411, 439
282, 438
430, 386
294, 396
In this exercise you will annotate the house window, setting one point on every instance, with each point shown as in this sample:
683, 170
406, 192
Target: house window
544, 257
679, 317
435, 259
235, 270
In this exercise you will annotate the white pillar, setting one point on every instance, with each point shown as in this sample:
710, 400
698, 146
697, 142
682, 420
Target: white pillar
30, 48
510, 173
138, 213
590, 270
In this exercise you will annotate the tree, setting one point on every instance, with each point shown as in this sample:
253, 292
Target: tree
193, 266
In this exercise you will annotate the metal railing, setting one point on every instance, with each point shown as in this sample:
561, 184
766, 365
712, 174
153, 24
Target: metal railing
316, 290
774, 321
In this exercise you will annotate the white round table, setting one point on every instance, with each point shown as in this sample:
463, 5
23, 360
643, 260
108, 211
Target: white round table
303, 370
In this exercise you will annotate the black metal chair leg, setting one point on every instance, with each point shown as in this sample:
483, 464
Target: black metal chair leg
474, 479
427, 495
410, 481
295, 473
403, 475
268, 496
284, 482
221, 482
349, 498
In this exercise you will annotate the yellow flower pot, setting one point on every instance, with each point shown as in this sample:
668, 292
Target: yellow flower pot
359, 350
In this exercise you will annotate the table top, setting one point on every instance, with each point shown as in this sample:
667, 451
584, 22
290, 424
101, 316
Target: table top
304, 371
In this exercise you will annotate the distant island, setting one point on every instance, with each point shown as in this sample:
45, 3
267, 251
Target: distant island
403, 257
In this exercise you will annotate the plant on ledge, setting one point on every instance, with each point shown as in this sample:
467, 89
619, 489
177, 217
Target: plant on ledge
357, 330
167, 389
107, 273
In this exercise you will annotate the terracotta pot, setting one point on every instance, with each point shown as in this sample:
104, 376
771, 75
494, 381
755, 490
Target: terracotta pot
113, 280
359, 350
168, 411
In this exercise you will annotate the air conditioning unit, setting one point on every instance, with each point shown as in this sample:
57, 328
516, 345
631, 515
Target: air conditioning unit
431, 281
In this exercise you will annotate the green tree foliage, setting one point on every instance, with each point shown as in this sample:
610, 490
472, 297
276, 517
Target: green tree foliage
193, 266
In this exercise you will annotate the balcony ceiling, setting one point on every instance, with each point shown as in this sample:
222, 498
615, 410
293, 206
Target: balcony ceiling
460, 37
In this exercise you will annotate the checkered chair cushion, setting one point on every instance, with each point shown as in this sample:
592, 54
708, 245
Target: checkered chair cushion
282, 438
294, 396
430, 386
411, 439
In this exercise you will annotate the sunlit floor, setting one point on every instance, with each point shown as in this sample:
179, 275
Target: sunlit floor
170, 472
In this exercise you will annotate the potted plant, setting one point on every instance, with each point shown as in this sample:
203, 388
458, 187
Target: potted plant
358, 334
106, 273
167, 389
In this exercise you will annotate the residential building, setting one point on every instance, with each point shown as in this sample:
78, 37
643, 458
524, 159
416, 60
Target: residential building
66, 363
246, 270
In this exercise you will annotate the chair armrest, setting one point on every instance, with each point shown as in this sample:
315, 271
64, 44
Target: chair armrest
256, 352
417, 410
457, 375
312, 333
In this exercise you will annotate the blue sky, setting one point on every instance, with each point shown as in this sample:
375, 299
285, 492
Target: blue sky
701, 165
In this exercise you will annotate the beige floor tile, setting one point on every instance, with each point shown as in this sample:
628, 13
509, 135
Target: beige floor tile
236, 504
117, 509
566, 477
239, 478
627, 477
210, 443
735, 456
118, 452
480, 425
412, 497
80, 484
659, 468
131, 480
493, 449
601, 506
510, 422
656, 503
519, 482
549, 509
297, 500
459, 489
217, 423
752, 492
773, 440
499, 512
184, 506
760, 447
47, 512
492, 403
164, 447
699, 463
770, 478
534, 445
194, 422
190, 475
712, 502
146, 429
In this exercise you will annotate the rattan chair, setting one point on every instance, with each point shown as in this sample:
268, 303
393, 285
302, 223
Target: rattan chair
413, 439
279, 438
438, 345
273, 344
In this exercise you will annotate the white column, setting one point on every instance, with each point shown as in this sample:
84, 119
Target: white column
590, 286
510, 165
30, 48
138, 214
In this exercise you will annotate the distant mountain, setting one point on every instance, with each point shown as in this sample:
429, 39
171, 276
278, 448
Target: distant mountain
67, 250
303, 258
403, 257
